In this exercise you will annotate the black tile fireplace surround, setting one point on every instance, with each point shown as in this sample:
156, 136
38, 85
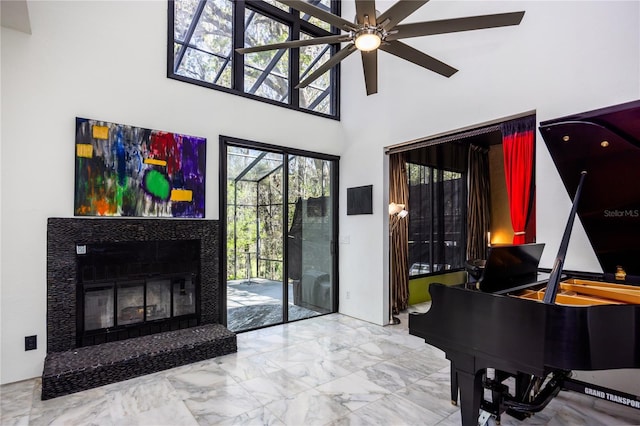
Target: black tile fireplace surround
69, 368
63, 234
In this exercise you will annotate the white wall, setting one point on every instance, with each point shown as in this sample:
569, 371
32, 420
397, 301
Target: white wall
102, 60
107, 60
565, 57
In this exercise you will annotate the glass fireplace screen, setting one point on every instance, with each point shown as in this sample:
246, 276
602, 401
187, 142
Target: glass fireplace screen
112, 305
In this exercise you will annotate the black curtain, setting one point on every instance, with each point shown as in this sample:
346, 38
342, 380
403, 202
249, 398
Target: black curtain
437, 219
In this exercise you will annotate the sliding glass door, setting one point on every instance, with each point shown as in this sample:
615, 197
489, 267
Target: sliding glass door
310, 236
280, 262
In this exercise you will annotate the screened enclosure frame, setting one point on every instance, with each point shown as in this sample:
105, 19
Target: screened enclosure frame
241, 177
298, 25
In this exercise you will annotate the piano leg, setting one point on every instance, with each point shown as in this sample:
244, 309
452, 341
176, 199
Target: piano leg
471, 394
454, 385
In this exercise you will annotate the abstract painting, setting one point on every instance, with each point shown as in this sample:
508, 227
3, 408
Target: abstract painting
123, 170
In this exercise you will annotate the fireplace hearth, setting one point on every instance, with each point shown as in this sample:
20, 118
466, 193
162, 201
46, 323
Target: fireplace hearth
127, 297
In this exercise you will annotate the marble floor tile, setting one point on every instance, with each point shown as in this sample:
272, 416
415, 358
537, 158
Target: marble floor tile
390, 375
433, 393
422, 361
16, 400
15, 420
274, 386
405, 339
73, 400
384, 348
174, 413
392, 410
92, 411
221, 403
196, 383
247, 368
259, 416
309, 408
315, 372
139, 397
354, 358
329, 370
353, 391
452, 420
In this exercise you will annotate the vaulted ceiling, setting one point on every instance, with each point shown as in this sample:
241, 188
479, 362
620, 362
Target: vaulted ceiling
15, 15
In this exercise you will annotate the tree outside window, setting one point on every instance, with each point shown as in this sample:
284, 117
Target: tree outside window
204, 33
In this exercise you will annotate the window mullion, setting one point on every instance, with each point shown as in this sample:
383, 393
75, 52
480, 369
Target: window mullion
335, 83
265, 73
336, 7
315, 61
320, 98
187, 37
239, 7
294, 65
431, 219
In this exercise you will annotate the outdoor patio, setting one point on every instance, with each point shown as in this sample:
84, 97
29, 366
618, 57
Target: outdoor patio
257, 302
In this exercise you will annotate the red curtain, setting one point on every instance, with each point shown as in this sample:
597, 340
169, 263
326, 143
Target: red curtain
518, 148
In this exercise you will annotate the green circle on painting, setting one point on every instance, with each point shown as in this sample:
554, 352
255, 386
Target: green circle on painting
156, 184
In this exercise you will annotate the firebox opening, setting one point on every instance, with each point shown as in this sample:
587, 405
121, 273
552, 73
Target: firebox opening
136, 288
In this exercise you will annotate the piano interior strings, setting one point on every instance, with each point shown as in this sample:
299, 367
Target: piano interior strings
580, 292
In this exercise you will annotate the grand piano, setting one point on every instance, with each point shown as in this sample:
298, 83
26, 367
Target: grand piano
513, 347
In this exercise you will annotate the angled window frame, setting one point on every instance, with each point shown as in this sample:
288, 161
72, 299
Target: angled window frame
297, 26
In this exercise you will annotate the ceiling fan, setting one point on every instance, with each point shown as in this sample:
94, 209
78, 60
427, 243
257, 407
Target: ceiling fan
371, 32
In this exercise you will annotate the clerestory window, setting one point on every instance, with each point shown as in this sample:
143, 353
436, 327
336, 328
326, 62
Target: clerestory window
203, 36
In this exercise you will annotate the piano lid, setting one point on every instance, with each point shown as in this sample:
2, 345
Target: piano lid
605, 143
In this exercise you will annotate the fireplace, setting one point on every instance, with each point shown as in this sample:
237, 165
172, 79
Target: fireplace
111, 279
134, 288
128, 297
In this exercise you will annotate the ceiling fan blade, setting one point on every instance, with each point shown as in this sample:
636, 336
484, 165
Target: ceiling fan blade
370, 66
295, 43
368, 8
407, 52
321, 14
456, 25
398, 12
342, 53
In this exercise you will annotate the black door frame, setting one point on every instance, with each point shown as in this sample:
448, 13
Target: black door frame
226, 141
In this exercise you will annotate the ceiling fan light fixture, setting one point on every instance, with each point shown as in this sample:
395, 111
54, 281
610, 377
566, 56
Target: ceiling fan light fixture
368, 39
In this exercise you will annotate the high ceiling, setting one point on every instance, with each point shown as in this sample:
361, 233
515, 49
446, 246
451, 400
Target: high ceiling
15, 15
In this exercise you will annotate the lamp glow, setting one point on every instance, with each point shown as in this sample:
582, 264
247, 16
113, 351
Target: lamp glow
368, 41
394, 208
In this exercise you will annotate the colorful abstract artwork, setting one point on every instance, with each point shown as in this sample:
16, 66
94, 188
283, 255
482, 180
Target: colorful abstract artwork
131, 171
